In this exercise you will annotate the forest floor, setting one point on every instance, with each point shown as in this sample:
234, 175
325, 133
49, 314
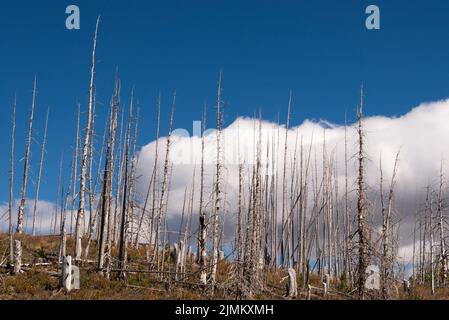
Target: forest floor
40, 279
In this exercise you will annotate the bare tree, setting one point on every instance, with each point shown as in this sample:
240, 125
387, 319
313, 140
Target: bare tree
284, 184
118, 182
163, 200
106, 206
155, 177
150, 187
82, 190
125, 197
387, 258
239, 230
90, 225
443, 255
20, 216
428, 212
64, 206
348, 269
202, 233
133, 178
11, 182
217, 188
361, 204
59, 197
41, 162
74, 171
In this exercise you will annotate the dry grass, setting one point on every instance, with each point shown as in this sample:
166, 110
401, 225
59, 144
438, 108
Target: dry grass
42, 282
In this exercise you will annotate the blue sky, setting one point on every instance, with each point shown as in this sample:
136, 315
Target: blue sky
320, 50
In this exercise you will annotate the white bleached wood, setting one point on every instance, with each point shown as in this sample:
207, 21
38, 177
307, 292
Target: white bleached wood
292, 284
82, 199
21, 212
17, 256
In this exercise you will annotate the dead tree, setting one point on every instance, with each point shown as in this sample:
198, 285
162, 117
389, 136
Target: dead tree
133, 177
165, 239
90, 225
294, 200
274, 197
151, 226
125, 197
414, 254
84, 155
147, 197
217, 188
118, 182
183, 212
62, 231
239, 229
428, 212
202, 233
164, 188
41, 162
257, 257
59, 197
284, 184
11, 183
20, 215
348, 268
423, 237
188, 228
443, 255
304, 204
74, 171
250, 251
92, 191
361, 204
387, 256
106, 206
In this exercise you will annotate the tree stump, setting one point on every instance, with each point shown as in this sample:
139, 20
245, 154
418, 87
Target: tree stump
17, 256
66, 280
292, 284
325, 289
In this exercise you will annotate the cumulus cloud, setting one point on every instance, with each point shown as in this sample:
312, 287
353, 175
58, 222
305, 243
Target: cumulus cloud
45, 215
420, 136
45, 211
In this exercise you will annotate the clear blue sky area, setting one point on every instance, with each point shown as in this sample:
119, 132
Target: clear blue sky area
319, 49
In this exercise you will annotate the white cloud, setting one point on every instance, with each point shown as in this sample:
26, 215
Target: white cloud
45, 214
421, 135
